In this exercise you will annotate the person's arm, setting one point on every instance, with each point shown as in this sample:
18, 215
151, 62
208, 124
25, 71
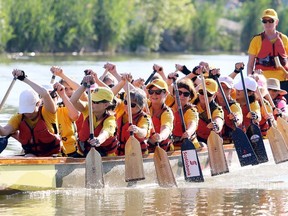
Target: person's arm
6, 130
250, 64
48, 101
72, 111
238, 67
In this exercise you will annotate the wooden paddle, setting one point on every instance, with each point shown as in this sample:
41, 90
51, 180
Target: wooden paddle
52, 79
253, 131
7, 92
150, 77
282, 124
93, 163
217, 159
134, 170
165, 176
245, 152
283, 84
191, 165
276, 140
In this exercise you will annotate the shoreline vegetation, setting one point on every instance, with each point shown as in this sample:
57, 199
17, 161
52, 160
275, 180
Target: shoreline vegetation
99, 27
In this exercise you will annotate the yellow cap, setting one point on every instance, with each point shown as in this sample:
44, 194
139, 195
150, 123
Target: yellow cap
102, 93
211, 86
158, 83
271, 13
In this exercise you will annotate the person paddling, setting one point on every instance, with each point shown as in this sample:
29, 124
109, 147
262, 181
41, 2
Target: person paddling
104, 122
36, 121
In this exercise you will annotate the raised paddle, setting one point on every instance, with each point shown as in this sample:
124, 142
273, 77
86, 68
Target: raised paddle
150, 77
245, 152
217, 159
276, 140
253, 131
134, 169
93, 162
165, 176
7, 92
191, 165
282, 124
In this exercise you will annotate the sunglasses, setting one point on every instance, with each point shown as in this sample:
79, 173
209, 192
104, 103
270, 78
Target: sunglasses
157, 92
202, 93
185, 94
267, 21
111, 85
98, 102
132, 104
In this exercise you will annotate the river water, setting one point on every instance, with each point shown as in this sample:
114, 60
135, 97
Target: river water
257, 190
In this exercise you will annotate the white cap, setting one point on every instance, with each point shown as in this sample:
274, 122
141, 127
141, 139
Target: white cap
250, 84
228, 81
27, 101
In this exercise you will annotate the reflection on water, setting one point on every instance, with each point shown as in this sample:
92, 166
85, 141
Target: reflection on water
182, 201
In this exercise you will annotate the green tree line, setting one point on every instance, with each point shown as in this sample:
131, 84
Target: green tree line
132, 25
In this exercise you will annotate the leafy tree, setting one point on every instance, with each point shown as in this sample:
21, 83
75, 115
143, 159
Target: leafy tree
5, 28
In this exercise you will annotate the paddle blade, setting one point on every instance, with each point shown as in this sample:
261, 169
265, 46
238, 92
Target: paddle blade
163, 168
217, 159
134, 170
245, 152
278, 146
191, 165
254, 135
3, 143
94, 170
282, 126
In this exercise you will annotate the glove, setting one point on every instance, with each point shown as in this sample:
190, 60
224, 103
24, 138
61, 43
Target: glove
215, 126
254, 116
22, 77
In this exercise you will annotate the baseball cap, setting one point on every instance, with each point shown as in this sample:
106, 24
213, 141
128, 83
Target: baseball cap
158, 83
250, 84
27, 101
228, 81
102, 93
211, 86
271, 13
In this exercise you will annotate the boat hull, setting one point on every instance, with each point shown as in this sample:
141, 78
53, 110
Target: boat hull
28, 174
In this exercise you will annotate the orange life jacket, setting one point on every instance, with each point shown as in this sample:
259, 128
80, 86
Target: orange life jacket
108, 147
123, 133
165, 144
265, 57
39, 140
202, 130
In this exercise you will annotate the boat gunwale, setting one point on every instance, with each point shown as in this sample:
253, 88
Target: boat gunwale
20, 160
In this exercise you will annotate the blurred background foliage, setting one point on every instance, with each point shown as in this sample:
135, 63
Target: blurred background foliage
109, 26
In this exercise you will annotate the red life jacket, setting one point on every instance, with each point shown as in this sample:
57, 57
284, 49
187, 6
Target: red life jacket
108, 147
265, 57
157, 126
177, 127
228, 126
123, 133
202, 130
39, 140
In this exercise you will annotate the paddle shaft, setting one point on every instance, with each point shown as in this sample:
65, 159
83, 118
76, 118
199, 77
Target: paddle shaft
224, 98
179, 105
206, 97
91, 128
129, 107
150, 77
7, 92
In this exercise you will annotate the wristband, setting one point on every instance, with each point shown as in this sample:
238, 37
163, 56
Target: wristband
22, 77
237, 71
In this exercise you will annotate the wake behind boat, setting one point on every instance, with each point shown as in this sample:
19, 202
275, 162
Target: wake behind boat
43, 173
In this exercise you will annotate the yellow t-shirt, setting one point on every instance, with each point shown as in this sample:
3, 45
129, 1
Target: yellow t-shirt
66, 130
109, 124
166, 118
49, 118
254, 49
191, 115
216, 113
